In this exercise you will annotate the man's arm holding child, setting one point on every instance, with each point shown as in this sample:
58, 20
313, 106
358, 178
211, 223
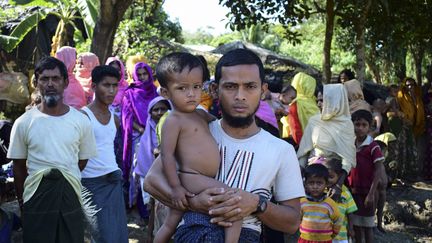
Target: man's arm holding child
157, 185
170, 137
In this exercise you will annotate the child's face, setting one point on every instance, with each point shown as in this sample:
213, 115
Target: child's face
361, 128
184, 89
158, 110
333, 177
315, 186
287, 97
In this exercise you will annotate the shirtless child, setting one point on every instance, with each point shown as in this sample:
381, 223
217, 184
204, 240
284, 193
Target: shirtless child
186, 140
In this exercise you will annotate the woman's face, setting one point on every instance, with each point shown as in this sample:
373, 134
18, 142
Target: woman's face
158, 110
409, 84
115, 65
142, 74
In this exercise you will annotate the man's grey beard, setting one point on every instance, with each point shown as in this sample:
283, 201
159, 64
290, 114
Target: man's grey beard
238, 122
51, 100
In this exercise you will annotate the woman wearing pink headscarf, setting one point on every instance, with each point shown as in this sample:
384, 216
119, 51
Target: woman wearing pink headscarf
74, 93
123, 84
134, 105
85, 64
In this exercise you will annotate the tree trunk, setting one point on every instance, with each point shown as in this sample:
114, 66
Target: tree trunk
371, 63
375, 70
111, 13
330, 15
360, 46
400, 63
418, 54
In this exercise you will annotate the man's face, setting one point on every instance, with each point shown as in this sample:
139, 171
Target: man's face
51, 85
240, 89
361, 128
106, 90
142, 75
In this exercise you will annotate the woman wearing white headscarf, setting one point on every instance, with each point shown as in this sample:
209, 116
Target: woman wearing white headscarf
331, 133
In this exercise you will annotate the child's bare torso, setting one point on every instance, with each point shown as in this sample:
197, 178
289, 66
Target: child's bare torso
196, 150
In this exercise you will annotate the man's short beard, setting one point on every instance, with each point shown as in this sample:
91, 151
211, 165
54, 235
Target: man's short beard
51, 100
238, 122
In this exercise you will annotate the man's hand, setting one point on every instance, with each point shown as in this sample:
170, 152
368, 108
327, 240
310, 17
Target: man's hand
179, 194
205, 199
232, 207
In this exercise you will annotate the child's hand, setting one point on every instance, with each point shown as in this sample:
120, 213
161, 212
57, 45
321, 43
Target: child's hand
369, 201
335, 193
178, 197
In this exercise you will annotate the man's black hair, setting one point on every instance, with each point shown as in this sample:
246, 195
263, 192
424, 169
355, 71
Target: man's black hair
362, 114
100, 72
175, 63
239, 57
50, 63
316, 170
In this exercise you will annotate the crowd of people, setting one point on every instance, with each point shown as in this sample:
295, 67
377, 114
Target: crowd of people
230, 160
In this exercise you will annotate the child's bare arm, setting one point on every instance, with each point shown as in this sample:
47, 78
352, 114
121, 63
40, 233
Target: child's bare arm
205, 115
370, 198
170, 133
350, 226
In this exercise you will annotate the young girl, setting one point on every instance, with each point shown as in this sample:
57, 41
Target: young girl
321, 219
365, 177
346, 205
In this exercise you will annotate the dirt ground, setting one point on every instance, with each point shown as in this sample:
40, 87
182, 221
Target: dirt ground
407, 216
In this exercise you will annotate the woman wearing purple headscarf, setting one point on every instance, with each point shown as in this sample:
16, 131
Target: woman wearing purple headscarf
134, 105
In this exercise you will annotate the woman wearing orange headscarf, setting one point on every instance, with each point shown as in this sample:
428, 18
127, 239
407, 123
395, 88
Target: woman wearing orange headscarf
409, 98
410, 101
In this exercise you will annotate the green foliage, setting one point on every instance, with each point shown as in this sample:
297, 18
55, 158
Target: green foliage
140, 30
22, 29
244, 14
63, 9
